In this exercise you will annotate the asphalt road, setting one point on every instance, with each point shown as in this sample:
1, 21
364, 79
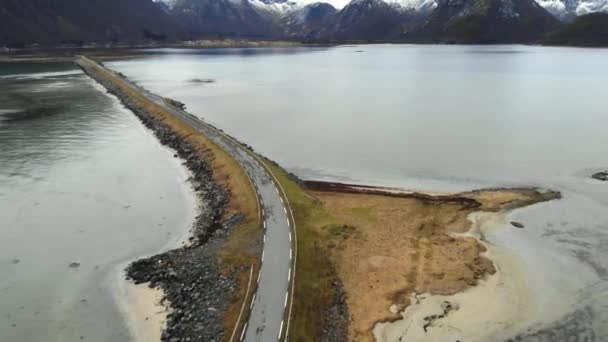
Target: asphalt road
266, 320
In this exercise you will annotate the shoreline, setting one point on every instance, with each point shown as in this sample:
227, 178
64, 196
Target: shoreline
146, 308
193, 265
387, 244
144, 311
486, 311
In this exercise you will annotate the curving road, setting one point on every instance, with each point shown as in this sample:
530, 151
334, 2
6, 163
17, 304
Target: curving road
269, 304
270, 300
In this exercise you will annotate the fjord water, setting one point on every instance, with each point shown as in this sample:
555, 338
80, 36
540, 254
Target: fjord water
81, 181
444, 118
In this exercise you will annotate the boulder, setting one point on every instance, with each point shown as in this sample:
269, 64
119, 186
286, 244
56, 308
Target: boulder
517, 224
601, 176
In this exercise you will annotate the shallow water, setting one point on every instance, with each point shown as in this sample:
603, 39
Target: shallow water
81, 181
431, 118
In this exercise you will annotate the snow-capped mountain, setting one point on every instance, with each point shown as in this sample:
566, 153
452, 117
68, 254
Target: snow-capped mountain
435, 20
563, 9
286, 6
567, 10
308, 21
488, 21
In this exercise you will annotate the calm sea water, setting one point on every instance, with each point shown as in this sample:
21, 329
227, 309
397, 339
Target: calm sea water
81, 181
431, 118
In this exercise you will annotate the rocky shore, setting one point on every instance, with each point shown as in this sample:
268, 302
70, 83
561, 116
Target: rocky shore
196, 290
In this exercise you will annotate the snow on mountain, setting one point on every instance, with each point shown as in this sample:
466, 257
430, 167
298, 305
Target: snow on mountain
586, 7
285, 6
416, 5
569, 9
562, 9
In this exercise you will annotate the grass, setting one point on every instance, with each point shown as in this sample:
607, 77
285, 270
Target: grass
240, 251
314, 289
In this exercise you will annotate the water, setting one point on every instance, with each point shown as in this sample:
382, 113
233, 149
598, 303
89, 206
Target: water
434, 118
81, 181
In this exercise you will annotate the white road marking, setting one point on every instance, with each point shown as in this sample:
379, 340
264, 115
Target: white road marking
288, 277
259, 276
289, 236
282, 200
253, 301
262, 256
243, 332
281, 330
290, 254
277, 190
288, 225
285, 210
264, 224
286, 296
264, 238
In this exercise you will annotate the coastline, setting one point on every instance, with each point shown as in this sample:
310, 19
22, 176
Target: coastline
146, 308
388, 246
143, 307
197, 282
489, 310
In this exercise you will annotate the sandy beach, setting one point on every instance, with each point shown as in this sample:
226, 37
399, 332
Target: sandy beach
143, 308
495, 305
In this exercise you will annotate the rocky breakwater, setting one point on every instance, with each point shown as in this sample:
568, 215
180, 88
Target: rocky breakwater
196, 290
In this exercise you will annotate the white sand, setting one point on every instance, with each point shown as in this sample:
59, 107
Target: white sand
145, 314
140, 305
485, 312
144, 311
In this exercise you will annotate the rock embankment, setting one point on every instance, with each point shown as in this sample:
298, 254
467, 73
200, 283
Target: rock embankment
197, 290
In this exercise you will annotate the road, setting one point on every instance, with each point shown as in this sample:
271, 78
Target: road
266, 318
275, 281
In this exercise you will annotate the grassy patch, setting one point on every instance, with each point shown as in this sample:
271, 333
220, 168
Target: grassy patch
363, 213
314, 289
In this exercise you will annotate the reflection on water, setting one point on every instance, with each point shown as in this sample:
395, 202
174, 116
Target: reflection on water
436, 118
82, 183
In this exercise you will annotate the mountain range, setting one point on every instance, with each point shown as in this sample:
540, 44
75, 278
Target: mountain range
78, 22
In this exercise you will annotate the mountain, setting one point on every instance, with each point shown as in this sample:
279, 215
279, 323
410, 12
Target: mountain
307, 22
487, 22
568, 10
588, 30
76, 22
218, 18
365, 20
57, 22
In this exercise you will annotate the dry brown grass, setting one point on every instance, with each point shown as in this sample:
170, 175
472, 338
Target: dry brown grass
404, 247
388, 248
383, 248
239, 252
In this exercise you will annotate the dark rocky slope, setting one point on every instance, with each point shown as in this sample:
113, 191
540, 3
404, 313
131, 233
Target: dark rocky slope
78, 22
223, 18
366, 20
487, 22
308, 21
587, 30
